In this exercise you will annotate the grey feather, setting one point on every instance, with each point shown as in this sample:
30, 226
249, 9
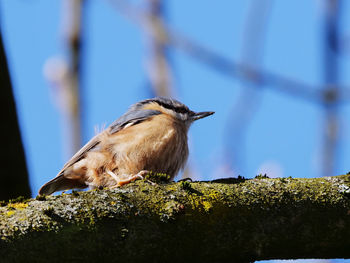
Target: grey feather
133, 116
81, 153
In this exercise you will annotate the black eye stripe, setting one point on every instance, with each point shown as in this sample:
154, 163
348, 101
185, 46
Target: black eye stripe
169, 104
178, 109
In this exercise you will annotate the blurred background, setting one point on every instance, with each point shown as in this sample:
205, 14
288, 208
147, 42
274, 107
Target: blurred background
275, 73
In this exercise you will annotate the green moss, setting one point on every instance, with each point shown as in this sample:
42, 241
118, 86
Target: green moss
20, 199
10, 212
17, 205
185, 185
75, 193
48, 211
261, 176
40, 197
157, 177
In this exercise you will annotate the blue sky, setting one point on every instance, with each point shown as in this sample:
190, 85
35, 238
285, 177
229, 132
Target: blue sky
284, 137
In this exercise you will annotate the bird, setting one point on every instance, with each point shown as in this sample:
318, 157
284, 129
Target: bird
150, 137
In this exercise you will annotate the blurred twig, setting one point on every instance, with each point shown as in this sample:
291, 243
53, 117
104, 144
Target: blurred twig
231, 68
331, 78
65, 75
248, 100
158, 66
74, 35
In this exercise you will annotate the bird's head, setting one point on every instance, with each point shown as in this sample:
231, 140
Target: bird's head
174, 109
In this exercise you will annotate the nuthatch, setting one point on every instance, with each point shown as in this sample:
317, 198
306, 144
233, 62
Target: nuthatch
150, 136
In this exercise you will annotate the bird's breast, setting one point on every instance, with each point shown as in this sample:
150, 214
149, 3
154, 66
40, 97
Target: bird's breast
157, 145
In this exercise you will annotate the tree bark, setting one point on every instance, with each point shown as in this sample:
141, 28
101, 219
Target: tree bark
228, 220
14, 175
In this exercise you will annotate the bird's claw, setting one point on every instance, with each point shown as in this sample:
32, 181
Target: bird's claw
142, 173
120, 182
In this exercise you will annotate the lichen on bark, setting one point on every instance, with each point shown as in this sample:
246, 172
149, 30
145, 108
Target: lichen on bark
224, 220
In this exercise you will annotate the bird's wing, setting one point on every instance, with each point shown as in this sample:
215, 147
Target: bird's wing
130, 118
81, 153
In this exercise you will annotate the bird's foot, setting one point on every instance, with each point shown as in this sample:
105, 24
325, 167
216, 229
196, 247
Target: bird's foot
143, 173
127, 178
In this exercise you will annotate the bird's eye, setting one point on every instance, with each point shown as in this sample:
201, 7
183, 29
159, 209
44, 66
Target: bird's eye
181, 110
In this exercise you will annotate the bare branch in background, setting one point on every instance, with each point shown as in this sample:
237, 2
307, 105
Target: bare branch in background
74, 42
158, 66
14, 174
248, 100
331, 78
65, 75
237, 71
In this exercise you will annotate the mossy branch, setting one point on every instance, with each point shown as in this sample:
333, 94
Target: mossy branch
230, 220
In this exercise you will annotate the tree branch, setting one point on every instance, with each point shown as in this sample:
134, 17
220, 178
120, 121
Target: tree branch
228, 220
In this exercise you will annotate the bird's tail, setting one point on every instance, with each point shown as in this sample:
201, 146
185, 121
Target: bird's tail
60, 183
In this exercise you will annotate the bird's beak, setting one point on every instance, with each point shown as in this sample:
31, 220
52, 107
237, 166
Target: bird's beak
200, 115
